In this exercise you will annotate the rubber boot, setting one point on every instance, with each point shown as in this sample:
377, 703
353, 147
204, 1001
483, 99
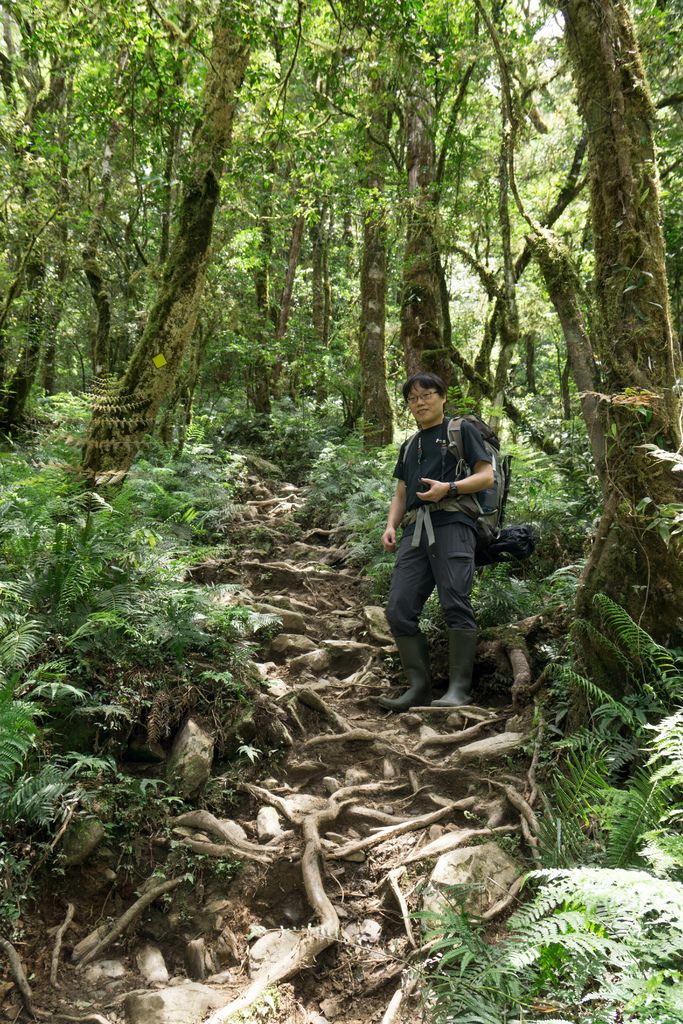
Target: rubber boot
414, 652
462, 645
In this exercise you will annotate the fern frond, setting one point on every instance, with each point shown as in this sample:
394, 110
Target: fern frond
17, 646
600, 641
577, 789
664, 851
17, 730
659, 668
596, 695
643, 807
667, 747
76, 584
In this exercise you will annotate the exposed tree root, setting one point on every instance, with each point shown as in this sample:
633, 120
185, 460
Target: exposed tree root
227, 850
451, 738
393, 831
502, 905
311, 699
531, 839
310, 943
130, 915
367, 788
393, 1010
58, 944
19, 976
206, 822
268, 798
521, 673
92, 1018
531, 775
370, 814
458, 839
352, 735
518, 802
392, 879
463, 805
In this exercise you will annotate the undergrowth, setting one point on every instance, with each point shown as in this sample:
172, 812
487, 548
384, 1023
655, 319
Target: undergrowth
101, 630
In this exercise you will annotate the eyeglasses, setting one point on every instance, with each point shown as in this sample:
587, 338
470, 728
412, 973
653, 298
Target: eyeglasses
414, 399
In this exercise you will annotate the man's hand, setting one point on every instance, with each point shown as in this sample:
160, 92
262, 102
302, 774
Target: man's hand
438, 489
389, 539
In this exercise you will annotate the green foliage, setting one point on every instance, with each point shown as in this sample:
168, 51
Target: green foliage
106, 576
575, 794
500, 595
634, 820
45, 794
654, 684
17, 730
595, 945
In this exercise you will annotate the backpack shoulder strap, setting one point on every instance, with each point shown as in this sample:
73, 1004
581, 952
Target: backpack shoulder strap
407, 447
455, 437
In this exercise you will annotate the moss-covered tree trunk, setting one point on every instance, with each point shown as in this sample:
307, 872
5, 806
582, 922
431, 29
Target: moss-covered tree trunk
120, 421
39, 323
421, 321
632, 335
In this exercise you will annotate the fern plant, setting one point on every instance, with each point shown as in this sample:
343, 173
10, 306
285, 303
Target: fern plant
595, 945
574, 799
662, 843
17, 730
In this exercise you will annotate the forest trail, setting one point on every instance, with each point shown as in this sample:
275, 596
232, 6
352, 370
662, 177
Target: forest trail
338, 838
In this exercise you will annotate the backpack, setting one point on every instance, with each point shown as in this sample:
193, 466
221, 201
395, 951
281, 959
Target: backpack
488, 513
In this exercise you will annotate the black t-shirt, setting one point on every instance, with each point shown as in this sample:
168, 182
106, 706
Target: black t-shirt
426, 460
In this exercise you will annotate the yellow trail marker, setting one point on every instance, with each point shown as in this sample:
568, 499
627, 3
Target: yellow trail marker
159, 361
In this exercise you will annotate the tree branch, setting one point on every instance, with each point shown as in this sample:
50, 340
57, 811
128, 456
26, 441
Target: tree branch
485, 275
510, 111
282, 94
669, 101
450, 127
182, 37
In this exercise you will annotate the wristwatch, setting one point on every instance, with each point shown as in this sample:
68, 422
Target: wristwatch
453, 490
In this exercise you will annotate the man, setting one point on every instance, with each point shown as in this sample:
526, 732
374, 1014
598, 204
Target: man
437, 546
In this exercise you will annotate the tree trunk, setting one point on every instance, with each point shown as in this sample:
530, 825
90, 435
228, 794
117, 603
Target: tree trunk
287, 290
18, 385
564, 289
288, 287
496, 290
508, 322
119, 422
377, 414
530, 358
632, 335
317, 236
421, 319
327, 284
564, 385
91, 267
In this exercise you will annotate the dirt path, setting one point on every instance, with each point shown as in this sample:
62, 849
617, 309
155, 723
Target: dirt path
338, 838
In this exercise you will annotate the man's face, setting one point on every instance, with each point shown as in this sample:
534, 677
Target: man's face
426, 405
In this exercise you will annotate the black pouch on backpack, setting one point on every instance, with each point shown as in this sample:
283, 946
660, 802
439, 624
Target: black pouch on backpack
514, 542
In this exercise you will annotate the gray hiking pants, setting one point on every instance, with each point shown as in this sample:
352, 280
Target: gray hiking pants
448, 564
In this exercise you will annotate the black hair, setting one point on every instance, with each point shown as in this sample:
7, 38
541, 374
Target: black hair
426, 381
